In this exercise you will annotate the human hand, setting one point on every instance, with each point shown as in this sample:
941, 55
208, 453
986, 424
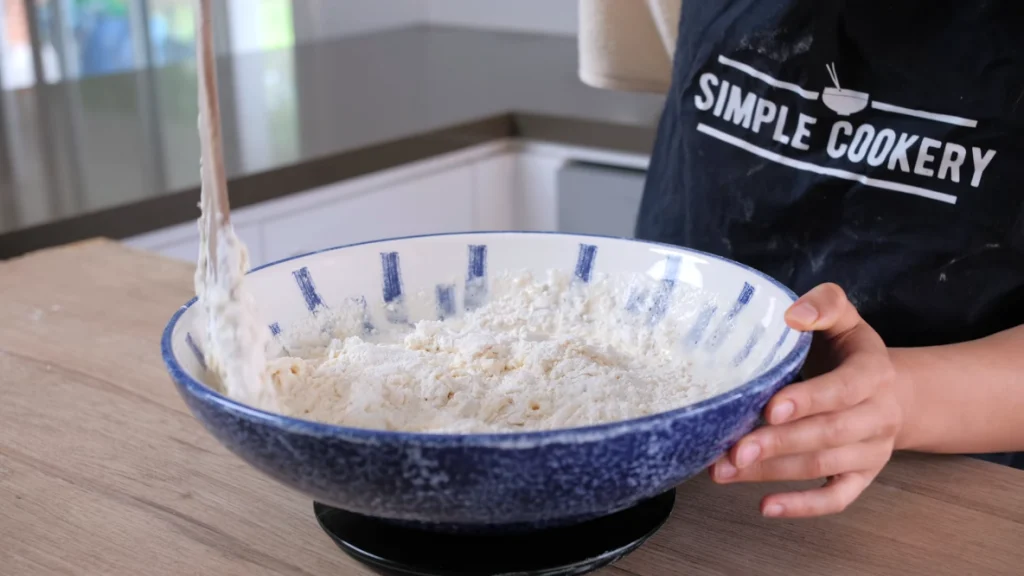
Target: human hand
839, 424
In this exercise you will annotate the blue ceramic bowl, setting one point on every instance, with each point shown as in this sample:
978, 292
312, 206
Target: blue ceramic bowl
514, 479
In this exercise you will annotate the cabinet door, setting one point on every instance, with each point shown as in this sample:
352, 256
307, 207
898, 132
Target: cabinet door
439, 202
601, 200
537, 193
181, 242
495, 184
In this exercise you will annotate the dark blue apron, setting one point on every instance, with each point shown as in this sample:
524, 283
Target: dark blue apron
877, 145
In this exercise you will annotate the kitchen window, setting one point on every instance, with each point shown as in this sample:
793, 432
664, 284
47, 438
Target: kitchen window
65, 39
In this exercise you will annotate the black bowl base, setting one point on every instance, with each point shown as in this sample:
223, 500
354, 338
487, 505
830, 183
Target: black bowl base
396, 550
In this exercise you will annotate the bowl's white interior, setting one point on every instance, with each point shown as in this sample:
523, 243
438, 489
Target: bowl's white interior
735, 324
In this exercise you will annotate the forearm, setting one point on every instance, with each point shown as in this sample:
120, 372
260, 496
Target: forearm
964, 398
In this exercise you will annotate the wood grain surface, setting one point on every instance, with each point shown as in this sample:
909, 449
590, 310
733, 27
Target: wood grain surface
103, 470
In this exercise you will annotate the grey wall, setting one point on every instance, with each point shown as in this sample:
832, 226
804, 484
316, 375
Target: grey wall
544, 16
323, 19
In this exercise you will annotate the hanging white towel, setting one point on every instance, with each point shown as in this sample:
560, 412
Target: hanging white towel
628, 44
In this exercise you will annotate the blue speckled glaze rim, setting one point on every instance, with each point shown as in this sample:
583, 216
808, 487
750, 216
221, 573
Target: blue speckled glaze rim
784, 370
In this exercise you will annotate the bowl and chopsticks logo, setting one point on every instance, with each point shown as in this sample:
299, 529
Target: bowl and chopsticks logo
783, 122
840, 100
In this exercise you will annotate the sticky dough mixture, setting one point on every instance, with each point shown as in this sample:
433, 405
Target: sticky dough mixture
235, 340
543, 353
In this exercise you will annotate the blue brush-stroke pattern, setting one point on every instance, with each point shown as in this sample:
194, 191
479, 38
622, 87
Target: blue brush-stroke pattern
275, 329
476, 277
672, 262
585, 262
391, 276
696, 333
445, 301
748, 346
477, 260
196, 351
745, 295
664, 294
636, 300
305, 281
726, 325
773, 352
367, 325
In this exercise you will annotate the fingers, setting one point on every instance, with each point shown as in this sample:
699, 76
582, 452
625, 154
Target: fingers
866, 421
831, 425
838, 493
824, 308
854, 381
871, 455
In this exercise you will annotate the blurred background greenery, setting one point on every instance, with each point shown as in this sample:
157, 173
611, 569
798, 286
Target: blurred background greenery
82, 38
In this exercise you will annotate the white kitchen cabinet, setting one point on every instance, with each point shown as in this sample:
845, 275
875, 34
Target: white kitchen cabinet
599, 199
181, 242
539, 191
433, 195
495, 182
537, 201
501, 185
440, 202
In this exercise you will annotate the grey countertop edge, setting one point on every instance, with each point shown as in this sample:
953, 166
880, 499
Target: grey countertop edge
175, 208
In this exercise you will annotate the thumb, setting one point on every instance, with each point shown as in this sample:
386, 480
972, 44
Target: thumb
824, 309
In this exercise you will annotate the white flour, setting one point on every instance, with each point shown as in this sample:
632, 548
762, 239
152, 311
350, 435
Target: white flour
542, 353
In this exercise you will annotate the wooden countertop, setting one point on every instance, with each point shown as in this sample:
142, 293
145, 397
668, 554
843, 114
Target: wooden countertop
104, 471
